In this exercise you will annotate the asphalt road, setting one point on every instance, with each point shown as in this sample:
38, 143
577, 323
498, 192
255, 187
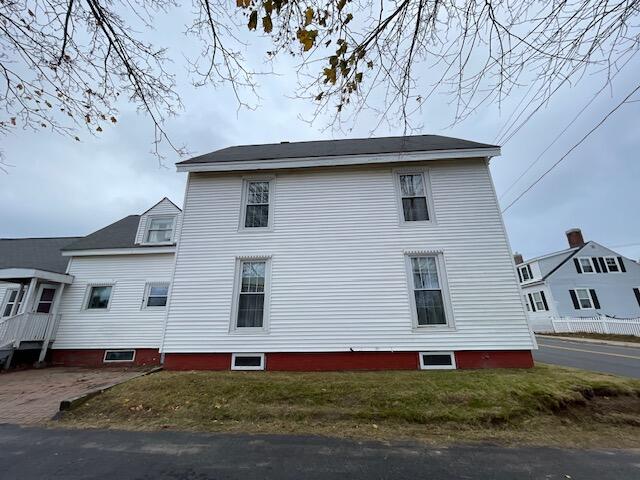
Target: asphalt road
36, 453
589, 356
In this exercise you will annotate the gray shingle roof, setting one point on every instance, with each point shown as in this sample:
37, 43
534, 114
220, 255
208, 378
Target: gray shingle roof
323, 148
37, 253
120, 234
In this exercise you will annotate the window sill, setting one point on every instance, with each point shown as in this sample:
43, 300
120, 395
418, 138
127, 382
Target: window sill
249, 331
433, 328
255, 229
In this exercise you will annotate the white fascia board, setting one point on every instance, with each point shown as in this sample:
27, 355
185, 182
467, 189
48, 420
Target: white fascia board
118, 251
332, 161
25, 273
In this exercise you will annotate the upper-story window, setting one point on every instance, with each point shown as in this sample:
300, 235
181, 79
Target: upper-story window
257, 204
586, 265
160, 229
525, 273
413, 196
612, 264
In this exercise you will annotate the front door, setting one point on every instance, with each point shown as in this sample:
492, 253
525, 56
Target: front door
46, 294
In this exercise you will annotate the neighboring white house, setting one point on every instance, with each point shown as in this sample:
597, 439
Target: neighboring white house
104, 295
386, 253
585, 280
349, 254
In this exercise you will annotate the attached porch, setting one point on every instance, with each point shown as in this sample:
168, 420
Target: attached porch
29, 313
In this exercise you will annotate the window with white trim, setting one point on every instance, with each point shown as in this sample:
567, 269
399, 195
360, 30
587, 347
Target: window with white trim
160, 229
538, 302
612, 264
413, 197
428, 299
119, 356
156, 294
251, 299
585, 300
247, 361
98, 297
586, 265
257, 208
525, 273
437, 361
12, 297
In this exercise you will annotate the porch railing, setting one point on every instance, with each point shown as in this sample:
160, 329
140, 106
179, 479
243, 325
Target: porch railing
27, 327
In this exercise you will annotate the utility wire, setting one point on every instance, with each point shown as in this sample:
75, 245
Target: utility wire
576, 145
567, 127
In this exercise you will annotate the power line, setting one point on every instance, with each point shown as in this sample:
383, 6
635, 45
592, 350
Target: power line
576, 145
513, 184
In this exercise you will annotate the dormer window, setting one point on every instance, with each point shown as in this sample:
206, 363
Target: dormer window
160, 230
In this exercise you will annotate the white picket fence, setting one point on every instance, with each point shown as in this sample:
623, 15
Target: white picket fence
598, 324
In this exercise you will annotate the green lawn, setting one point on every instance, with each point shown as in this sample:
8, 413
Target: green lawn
549, 405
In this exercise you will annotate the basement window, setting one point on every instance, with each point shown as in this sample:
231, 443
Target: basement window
247, 361
119, 355
437, 361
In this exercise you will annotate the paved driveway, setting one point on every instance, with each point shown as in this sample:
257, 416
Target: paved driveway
33, 396
40, 454
589, 356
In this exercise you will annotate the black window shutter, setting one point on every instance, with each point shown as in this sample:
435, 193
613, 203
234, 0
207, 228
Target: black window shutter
596, 264
594, 297
544, 301
532, 303
529, 270
574, 299
577, 264
621, 264
603, 265
637, 292
519, 274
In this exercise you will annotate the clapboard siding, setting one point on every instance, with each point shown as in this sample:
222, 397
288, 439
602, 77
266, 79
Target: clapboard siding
163, 207
338, 277
125, 324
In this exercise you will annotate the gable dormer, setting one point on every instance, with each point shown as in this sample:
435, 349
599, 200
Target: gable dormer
160, 225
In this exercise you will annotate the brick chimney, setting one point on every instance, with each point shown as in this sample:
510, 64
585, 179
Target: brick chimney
517, 257
574, 237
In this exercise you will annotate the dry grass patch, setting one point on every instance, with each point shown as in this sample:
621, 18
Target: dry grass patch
541, 405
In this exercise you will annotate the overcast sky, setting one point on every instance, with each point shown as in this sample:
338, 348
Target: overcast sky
61, 187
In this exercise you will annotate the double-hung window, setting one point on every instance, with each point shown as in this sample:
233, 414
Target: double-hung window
584, 299
413, 197
428, 298
156, 295
251, 299
525, 273
257, 208
13, 298
160, 230
612, 264
586, 265
98, 297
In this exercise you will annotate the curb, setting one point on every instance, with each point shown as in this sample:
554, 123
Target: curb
613, 343
73, 402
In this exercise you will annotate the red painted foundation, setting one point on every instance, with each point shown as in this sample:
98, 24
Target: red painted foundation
197, 361
494, 359
94, 358
335, 361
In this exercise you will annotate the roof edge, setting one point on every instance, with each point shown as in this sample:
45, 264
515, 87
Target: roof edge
339, 160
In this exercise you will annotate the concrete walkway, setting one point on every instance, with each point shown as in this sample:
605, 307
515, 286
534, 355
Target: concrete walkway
35, 453
33, 396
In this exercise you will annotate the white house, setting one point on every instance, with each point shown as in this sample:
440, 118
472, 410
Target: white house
585, 280
93, 300
349, 254
386, 253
